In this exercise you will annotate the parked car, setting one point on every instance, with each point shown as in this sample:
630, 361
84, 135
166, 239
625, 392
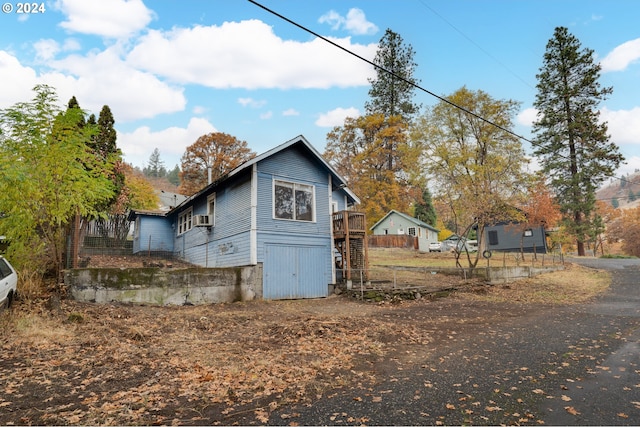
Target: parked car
435, 247
8, 283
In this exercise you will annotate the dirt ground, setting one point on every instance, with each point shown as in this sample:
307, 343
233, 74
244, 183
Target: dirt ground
70, 363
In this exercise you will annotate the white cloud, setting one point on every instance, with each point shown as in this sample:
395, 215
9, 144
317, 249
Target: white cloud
172, 142
267, 115
22, 79
527, 116
333, 18
250, 102
622, 56
336, 117
103, 78
624, 125
355, 22
249, 55
70, 45
46, 50
199, 110
291, 112
107, 18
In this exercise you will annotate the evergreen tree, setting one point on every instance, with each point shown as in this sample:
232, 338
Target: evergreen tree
631, 196
174, 176
155, 168
104, 144
425, 211
571, 143
392, 94
615, 203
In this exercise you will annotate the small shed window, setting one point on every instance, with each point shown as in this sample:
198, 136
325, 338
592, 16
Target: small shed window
493, 237
528, 232
185, 221
412, 231
293, 201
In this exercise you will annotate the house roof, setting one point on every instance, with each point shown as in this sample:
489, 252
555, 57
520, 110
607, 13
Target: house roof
411, 219
337, 179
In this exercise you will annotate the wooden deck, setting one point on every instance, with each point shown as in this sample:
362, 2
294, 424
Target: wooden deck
347, 223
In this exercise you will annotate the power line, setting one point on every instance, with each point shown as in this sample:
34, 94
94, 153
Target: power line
475, 44
390, 72
302, 27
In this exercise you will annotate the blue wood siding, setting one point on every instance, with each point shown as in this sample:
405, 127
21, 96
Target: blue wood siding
155, 234
297, 255
294, 271
226, 244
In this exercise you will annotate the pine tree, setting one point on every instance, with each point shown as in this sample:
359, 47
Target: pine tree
155, 168
174, 176
571, 143
392, 94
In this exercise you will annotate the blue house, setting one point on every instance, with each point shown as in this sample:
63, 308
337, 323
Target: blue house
273, 212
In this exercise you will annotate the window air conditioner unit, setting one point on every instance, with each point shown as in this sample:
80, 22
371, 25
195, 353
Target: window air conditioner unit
202, 221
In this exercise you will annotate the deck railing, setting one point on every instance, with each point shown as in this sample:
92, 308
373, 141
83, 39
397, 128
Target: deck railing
349, 222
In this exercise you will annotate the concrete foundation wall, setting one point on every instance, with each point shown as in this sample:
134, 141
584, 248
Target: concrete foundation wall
165, 286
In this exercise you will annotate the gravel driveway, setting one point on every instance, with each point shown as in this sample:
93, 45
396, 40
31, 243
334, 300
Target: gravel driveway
529, 365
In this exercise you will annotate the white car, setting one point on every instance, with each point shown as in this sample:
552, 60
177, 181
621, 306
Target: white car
435, 247
8, 283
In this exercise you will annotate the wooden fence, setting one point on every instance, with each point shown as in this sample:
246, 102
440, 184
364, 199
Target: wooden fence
393, 241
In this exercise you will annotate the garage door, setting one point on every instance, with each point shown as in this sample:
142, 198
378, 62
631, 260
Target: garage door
295, 271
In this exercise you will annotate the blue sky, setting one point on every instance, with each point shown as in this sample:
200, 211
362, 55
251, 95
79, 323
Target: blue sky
174, 70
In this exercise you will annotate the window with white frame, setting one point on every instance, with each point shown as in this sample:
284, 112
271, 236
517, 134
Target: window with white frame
293, 201
185, 221
412, 231
211, 208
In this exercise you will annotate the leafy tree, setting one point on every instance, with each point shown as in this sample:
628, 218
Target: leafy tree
216, 153
477, 168
540, 206
359, 151
390, 95
572, 144
155, 168
425, 211
140, 193
49, 177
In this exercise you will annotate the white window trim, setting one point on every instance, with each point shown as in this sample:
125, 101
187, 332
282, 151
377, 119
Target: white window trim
293, 183
212, 215
188, 222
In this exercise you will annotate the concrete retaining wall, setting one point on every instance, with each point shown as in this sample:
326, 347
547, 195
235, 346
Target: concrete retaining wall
165, 286
495, 275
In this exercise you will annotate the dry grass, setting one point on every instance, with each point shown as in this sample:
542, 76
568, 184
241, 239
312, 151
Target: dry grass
411, 258
128, 364
573, 285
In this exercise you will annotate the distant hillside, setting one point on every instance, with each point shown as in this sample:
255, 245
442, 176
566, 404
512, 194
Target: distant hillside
162, 184
626, 191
